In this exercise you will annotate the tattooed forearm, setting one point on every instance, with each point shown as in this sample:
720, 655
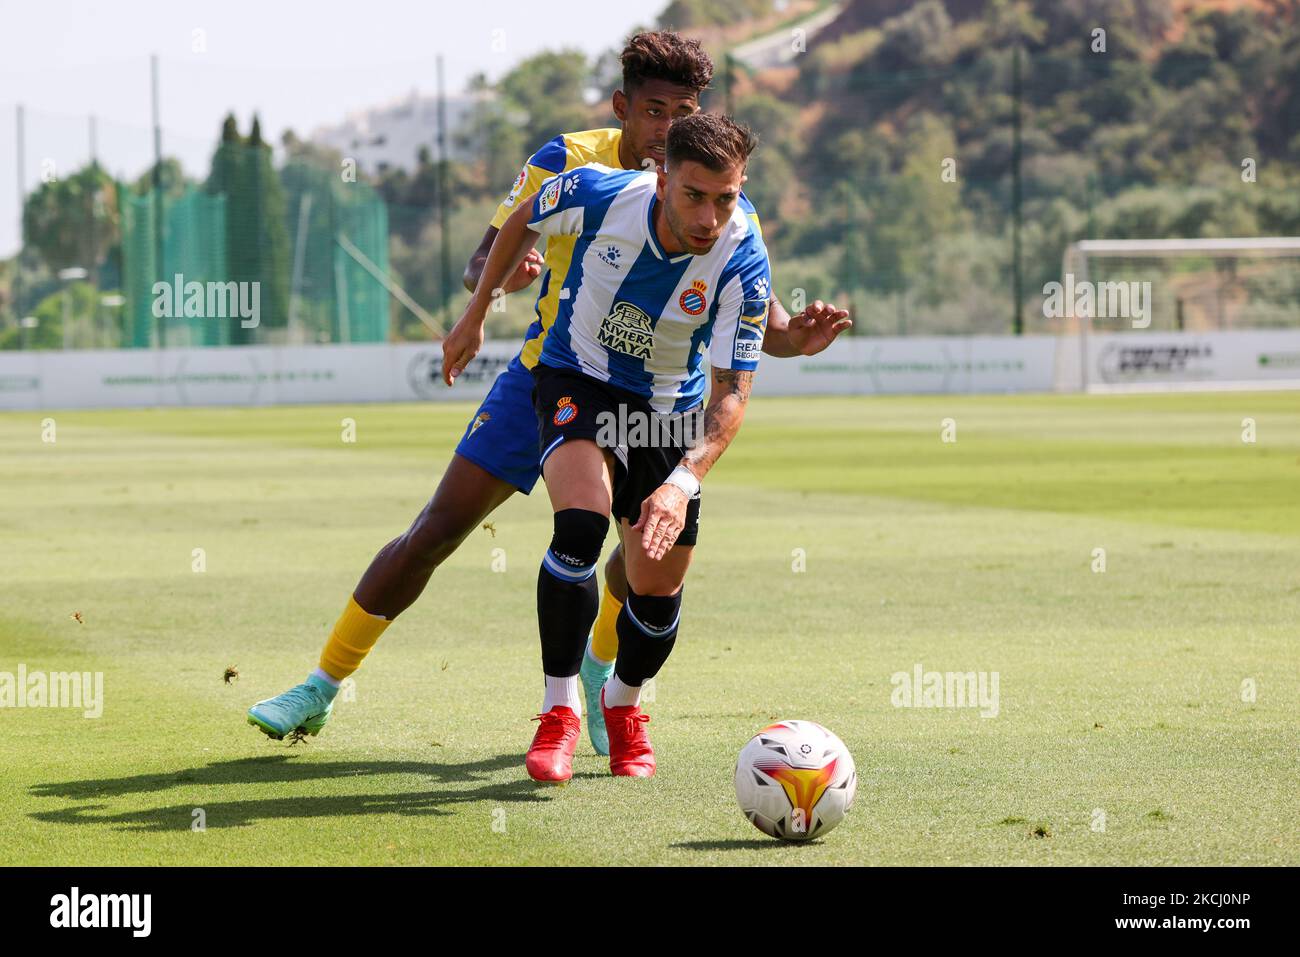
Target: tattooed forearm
731, 382
722, 418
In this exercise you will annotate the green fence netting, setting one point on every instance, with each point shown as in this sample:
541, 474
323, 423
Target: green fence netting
303, 261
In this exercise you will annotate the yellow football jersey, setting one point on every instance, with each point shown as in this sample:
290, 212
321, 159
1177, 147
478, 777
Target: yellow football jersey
566, 152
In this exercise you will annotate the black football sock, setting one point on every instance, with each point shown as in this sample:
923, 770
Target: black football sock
647, 630
567, 597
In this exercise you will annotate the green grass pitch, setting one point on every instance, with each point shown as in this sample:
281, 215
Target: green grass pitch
1123, 693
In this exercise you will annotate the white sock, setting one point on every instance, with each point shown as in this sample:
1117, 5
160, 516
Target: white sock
562, 691
326, 676
595, 657
619, 695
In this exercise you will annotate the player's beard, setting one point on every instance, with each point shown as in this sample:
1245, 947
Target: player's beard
679, 233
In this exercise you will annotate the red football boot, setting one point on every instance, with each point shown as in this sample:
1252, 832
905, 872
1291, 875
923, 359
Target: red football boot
550, 756
630, 753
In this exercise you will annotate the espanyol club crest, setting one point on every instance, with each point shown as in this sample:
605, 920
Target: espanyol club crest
565, 411
692, 300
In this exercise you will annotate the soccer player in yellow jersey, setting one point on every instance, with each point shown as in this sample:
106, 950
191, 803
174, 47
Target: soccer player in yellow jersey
663, 76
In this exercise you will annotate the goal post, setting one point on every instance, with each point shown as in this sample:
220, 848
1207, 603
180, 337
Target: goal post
1152, 314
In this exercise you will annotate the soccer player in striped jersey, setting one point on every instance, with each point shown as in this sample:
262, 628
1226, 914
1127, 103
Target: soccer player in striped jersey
663, 76
664, 265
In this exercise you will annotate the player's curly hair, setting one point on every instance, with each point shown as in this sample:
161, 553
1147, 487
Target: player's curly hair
714, 140
665, 55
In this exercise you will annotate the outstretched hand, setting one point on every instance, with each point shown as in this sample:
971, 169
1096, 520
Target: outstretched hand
816, 327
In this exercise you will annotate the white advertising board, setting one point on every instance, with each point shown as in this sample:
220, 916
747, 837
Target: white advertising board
411, 372
870, 365
1191, 360
252, 375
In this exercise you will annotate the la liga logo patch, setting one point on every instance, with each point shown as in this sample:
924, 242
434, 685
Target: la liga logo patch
518, 185
692, 300
550, 197
565, 411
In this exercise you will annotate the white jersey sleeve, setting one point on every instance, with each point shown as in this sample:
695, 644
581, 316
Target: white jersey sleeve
560, 205
737, 340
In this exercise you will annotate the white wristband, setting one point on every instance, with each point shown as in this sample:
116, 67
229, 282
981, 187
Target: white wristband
685, 480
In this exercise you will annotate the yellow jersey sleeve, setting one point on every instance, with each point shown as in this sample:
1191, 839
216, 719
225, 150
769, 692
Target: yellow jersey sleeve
566, 152
551, 159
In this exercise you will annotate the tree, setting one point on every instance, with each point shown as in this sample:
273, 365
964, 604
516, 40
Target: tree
549, 87
174, 181
74, 221
912, 214
78, 301
681, 14
227, 161
323, 157
272, 233
495, 132
916, 39
257, 239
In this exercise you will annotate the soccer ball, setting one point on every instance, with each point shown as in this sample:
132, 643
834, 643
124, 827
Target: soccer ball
795, 780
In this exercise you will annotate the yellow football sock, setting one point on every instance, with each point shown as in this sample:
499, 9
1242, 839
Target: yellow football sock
604, 636
354, 634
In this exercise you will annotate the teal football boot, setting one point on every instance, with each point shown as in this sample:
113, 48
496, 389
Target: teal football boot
305, 707
594, 675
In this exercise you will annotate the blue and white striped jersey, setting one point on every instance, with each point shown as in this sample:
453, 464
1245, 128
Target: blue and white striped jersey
633, 316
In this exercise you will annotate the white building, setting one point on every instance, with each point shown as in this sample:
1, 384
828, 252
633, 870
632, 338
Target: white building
390, 136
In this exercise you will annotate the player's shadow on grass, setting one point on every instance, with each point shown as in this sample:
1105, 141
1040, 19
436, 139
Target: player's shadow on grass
273, 769
277, 769
224, 814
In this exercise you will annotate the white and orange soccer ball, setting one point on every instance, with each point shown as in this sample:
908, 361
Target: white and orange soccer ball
795, 780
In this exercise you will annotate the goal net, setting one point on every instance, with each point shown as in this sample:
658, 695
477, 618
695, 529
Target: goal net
1170, 314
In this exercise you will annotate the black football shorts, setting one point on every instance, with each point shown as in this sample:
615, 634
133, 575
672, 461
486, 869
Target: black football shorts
646, 445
